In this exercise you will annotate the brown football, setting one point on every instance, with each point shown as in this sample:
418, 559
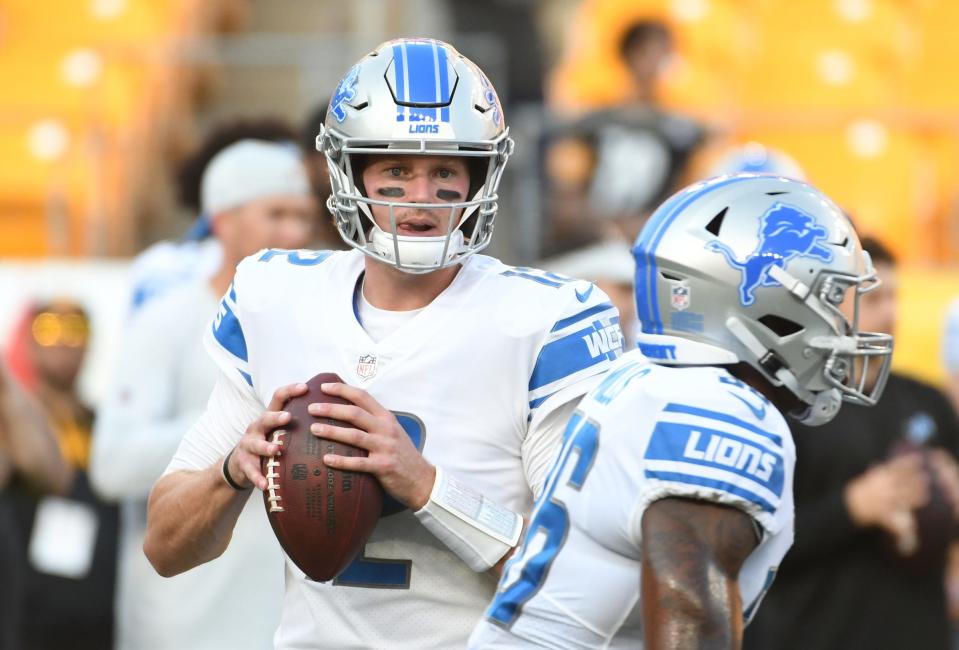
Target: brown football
321, 516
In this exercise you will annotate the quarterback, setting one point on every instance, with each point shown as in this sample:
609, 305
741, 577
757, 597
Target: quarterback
673, 488
484, 362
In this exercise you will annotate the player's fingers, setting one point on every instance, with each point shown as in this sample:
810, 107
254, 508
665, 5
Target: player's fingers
268, 421
349, 463
355, 395
355, 437
249, 466
284, 393
350, 413
255, 446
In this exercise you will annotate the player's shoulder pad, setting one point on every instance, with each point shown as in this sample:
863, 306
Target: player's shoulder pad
547, 296
720, 439
258, 276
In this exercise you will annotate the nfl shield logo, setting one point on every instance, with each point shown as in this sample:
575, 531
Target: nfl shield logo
679, 297
366, 366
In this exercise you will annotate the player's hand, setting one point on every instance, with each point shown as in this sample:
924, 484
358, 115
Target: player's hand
244, 465
393, 459
885, 495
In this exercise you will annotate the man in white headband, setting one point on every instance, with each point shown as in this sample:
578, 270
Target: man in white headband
256, 195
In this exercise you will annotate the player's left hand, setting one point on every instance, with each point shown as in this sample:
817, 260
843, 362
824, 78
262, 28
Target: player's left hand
393, 458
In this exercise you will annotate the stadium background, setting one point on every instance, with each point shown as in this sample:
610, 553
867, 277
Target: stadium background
100, 98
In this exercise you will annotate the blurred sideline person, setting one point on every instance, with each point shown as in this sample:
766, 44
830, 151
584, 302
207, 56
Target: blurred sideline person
257, 195
70, 541
610, 169
485, 360
867, 569
673, 489
950, 352
167, 264
29, 457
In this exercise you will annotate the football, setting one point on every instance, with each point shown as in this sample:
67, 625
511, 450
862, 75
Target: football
321, 516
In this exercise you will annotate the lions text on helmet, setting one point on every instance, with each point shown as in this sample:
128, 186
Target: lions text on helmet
416, 146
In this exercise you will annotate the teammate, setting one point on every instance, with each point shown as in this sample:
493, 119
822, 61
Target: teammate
256, 194
672, 496
484, 362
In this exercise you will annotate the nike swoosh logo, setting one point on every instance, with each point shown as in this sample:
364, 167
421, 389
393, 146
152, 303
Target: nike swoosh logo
584, 295
760, 412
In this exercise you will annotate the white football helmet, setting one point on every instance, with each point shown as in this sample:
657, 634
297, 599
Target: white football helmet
415, 96
753, 268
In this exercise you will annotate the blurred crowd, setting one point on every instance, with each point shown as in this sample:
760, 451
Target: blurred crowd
875, 562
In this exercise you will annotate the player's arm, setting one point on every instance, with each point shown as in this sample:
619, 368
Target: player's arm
28, 447
692, 552
192, 510
136, 431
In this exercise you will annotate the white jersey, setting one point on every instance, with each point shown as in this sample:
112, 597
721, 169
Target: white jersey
646, 432
471, 377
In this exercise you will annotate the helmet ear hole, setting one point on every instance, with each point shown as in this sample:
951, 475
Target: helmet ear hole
780, 326
717, 222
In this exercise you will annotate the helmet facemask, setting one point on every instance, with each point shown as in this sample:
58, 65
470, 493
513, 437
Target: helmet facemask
415, 97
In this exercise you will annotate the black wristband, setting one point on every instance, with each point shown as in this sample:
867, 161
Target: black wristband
225, 470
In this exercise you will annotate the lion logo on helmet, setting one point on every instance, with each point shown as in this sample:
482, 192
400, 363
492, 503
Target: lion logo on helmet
345, 92
786, 232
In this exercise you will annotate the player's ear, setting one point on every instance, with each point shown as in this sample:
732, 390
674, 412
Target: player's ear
223, 224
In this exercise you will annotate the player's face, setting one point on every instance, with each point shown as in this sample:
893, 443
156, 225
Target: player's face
272, 222
877, 308
416, 179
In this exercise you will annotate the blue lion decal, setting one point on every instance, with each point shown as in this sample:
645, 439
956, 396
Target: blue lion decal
785, 232
345, 92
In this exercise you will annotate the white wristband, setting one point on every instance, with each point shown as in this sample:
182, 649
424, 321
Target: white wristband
479, 531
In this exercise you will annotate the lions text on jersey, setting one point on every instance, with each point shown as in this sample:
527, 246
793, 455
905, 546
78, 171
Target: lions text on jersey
472, 377
644, 433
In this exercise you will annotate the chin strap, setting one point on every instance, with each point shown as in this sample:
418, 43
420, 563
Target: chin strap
821, 407
417, 251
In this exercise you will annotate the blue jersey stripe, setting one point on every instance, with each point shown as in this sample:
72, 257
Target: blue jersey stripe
246, 377
567, 356
722, 417
723, 486
586, 313
229, 333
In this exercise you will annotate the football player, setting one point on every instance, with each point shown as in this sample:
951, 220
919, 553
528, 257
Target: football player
671, 502
484, 362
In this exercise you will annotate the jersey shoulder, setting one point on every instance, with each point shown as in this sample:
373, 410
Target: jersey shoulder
274, 273
552, 300
704, 435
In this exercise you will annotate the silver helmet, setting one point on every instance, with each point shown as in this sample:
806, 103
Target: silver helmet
415, 96
754, 268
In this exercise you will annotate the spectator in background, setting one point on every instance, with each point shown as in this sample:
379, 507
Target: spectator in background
326, 236
197, 255
610, 169
258, 196
70, 542
874, 516
29, 458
